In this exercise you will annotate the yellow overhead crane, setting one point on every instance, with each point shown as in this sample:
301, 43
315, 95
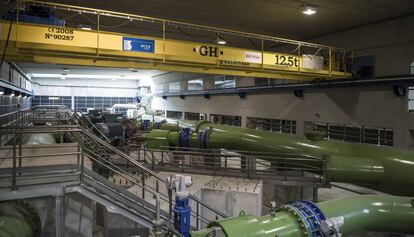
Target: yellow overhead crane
75, 46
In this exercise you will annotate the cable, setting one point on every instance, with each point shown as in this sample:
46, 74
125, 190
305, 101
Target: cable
7, 42
70, 17
252, 42
200, 36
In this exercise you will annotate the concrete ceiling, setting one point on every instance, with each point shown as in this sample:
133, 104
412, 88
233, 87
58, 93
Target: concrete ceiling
280, 18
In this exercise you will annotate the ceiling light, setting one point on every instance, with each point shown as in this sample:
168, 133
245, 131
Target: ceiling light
12, 94
308, 10
65, 69
1, 92
19, 96
220, 40
85, 27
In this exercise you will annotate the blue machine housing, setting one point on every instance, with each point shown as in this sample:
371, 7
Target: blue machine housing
37, 15
182, 212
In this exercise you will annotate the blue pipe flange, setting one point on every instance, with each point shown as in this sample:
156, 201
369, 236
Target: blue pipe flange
202, 139
157, 125
185, 137
145, 125
308, 215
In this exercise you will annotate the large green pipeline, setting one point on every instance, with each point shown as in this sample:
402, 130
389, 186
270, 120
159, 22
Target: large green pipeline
349, 215
18, 219
383, 168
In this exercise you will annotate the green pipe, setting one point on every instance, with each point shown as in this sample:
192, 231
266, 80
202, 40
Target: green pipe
360, 213
383, 168
19, 219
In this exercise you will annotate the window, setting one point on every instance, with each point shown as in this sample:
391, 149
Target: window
52, 100
410, 99
224, 82
354, 133
174, 86
273, 125
259, 81
195, 116
226, 119
83, 103
195, 85
174, 114
160, 113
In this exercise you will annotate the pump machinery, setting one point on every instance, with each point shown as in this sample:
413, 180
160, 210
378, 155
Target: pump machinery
382, 168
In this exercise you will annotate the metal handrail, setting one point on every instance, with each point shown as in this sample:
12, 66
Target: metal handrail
100, 161
75, 118
144, 168
89, 137
165, 160
92, 137
81, 169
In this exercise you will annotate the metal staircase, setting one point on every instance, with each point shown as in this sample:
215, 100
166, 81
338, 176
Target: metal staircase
78, 178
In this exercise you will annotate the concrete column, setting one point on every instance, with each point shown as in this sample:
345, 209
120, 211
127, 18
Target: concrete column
300, 127
165, 88
243, 121
244, 81
58, 215
208, 83
183, 85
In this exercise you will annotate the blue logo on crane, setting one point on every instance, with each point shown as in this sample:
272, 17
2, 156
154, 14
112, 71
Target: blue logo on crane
138, 45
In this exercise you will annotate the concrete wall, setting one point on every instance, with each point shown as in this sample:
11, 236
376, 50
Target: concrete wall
369, 106
391, 42
76, 215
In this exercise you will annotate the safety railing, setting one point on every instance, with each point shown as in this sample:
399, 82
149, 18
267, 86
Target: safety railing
62, 114
14, 119
145, 172
100, 152
285, 168
70, 163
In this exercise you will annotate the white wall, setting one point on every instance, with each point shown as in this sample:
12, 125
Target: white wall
369, 106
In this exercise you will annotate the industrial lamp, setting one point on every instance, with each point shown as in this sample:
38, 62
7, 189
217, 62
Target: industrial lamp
308, 10
220, 40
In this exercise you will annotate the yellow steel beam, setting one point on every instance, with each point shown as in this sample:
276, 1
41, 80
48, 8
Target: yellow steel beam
83, 47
